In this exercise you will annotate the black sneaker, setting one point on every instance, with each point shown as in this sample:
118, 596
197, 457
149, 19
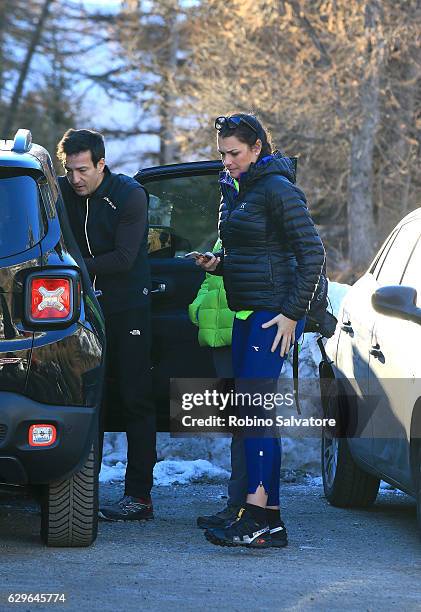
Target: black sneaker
128, 509
278, 536
223, 518
245, 531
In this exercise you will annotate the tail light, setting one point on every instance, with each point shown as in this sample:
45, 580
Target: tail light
52, 297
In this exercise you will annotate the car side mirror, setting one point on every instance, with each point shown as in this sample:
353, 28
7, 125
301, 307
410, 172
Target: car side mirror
397, 301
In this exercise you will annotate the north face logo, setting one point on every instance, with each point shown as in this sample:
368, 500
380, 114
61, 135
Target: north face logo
113, 206
242, 206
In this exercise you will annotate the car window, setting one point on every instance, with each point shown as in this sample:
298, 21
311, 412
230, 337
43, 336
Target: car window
396, 258
411, 276
185, 208
21, 218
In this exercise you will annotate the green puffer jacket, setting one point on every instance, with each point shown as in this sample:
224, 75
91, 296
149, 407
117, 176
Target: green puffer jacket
211, 314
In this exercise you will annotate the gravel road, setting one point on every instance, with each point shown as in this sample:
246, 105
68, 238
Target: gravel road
337, 559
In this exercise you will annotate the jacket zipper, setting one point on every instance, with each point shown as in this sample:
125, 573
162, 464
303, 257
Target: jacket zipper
87, 237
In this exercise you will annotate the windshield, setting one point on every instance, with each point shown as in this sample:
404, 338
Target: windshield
21, 222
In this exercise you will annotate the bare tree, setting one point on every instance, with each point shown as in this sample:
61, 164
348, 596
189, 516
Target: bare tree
361, 235
336, 81
151, 38
34, 41
321, 75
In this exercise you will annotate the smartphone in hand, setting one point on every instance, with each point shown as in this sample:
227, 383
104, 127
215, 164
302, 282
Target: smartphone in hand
196, 255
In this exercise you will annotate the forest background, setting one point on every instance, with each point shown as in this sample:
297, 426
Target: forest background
338, 83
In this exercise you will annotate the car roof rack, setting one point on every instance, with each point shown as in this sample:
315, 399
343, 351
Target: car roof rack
22, 141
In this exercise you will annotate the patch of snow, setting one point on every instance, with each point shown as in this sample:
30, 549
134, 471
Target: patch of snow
171, 471
215, 449
112, 473
386, 485
315, 481
337, 291
385, 488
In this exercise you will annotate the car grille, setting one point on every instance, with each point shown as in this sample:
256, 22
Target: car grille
3, 432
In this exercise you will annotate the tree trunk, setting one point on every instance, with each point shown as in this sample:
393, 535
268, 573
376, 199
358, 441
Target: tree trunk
168, 149
11, 111
4, 10
406, 147
361, 235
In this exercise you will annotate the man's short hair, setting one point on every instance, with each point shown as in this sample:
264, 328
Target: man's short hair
77, 141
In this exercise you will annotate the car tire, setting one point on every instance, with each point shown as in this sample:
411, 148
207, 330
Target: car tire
69, 508
345, 483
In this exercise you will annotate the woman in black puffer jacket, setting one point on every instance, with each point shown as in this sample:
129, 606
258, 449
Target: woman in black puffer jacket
271, 261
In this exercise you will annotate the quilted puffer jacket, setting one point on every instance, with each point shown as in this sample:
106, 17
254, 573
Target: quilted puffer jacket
272, 255
210, 312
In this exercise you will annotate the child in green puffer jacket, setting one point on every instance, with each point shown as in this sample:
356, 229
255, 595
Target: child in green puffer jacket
210, 311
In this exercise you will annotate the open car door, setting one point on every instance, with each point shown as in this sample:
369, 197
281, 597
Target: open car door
183, 217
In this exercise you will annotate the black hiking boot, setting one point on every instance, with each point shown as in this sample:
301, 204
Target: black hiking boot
223, 518
245, 531
278, 535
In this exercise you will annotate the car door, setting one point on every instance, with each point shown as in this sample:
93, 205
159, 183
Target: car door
183, 217
356, 319
394, 364
356, 322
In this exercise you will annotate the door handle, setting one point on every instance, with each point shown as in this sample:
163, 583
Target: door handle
347, 327
376, 352
162, 287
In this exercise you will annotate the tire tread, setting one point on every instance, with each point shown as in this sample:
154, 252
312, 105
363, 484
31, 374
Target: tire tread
69, 514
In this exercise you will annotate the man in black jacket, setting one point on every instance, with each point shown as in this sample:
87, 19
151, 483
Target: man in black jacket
109, 217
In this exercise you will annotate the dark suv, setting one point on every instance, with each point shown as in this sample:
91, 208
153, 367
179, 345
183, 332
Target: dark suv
52, 347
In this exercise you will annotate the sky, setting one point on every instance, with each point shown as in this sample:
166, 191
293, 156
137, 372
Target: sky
113, 113
103, 3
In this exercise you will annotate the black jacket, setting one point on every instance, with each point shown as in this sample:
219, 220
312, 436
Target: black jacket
111, 229
272, 254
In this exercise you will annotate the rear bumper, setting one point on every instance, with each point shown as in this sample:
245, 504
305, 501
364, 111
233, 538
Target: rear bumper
21, 463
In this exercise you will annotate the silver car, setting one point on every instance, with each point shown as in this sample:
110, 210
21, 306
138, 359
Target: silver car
371, 375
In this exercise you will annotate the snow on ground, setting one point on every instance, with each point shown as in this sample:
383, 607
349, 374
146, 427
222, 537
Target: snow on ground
207, 458
171, 471
315, 481
386, 488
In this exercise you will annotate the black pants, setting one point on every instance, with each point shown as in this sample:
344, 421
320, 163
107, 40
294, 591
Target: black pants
129, 368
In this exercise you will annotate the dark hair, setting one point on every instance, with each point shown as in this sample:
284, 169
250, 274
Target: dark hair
246, 134
76, 141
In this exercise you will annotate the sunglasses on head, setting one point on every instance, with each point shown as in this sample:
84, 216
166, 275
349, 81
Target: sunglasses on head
233, 122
